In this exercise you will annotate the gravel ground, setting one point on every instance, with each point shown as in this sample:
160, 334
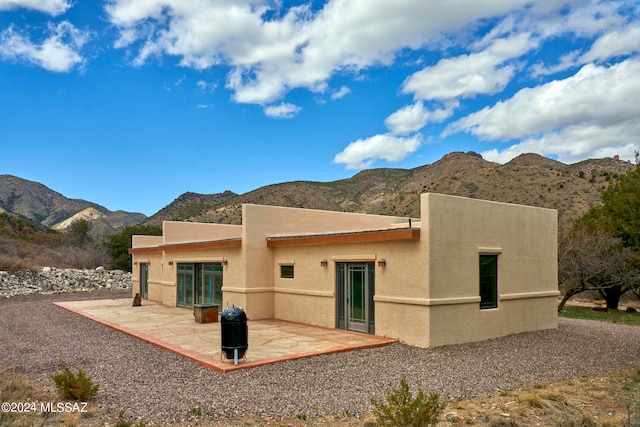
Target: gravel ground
156, 385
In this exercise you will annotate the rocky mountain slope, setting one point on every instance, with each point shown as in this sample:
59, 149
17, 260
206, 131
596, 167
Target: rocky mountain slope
528, 179
43, 206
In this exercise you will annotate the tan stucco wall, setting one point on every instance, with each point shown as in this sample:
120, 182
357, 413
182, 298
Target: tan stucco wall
146, 241
260, 222
311, 293
426, 295
163, 271
175, 232
525, 240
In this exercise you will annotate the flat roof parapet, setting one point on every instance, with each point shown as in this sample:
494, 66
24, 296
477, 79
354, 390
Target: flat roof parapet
212, 244
349, 237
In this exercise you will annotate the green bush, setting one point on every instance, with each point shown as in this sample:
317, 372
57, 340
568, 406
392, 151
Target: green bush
117, 245
73, 386
402, 409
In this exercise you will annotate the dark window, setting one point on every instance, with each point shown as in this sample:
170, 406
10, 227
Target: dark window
488, 281
286, 271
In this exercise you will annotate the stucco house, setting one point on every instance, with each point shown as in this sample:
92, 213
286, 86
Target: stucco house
467, 270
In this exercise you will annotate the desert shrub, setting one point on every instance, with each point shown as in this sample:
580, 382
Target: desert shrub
16, 388
403, 409
17, 255
117, 245
74, 386
124, 423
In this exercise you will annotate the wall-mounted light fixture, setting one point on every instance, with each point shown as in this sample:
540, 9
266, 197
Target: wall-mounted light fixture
135, 263
224, 262
170, 262
324, 263
382, 262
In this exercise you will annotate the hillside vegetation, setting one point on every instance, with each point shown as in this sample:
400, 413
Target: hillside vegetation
37, 224
35, 202
528, 179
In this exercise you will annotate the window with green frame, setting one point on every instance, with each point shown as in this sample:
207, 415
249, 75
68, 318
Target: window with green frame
199, 283
286, 271
488, 281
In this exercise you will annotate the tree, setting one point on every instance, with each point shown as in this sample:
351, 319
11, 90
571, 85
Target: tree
602, 249
117, 245
79, 233
589, 258
619, 213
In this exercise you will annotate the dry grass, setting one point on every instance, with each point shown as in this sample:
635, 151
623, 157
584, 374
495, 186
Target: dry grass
612, 400
603, 401
18, 255
16, 389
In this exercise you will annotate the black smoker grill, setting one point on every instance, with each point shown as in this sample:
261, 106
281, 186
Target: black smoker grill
234, 333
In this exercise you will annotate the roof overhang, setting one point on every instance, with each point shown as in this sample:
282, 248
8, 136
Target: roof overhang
214, 244
351, 237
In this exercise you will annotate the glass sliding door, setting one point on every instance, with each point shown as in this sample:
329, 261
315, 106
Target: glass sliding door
217, 284
207, 281
144, 280
204, 283
185, 285
199, 283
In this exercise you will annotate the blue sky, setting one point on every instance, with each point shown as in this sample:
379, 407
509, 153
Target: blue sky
130, 103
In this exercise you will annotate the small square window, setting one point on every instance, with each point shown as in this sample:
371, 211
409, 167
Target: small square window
488, 281
286, 271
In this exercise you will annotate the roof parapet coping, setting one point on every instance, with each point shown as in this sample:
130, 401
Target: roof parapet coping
345, 237
412, 223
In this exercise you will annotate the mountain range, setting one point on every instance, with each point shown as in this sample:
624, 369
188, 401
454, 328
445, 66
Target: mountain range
528, 179
37, 203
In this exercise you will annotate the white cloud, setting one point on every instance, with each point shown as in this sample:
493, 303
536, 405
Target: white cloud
59, 52
254, 91
617, 41
283, 110
301, 49
206, 87
596, 94
363, 152
51, 7
340, 93
125, 38
566, 62
620, 41
574, 144
412, 118
469, 75
583, 18
574, 118
267, 50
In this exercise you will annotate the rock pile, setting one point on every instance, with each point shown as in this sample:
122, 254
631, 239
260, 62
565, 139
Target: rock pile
51, 280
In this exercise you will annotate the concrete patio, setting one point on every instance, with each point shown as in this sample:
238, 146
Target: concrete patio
175, 329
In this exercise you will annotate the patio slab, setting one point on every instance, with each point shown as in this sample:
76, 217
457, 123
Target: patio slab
175, 329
